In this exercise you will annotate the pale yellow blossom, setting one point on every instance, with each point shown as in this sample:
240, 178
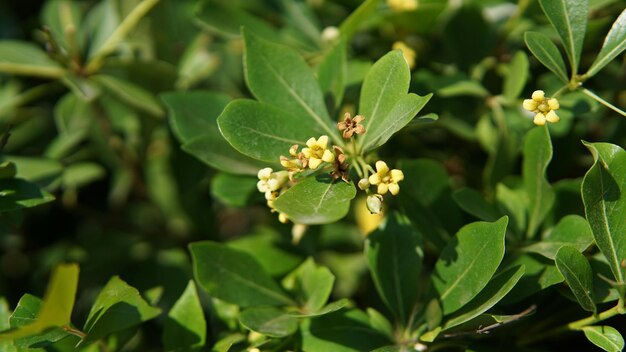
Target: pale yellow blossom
317, 152
403, 5
385, 179
543, 107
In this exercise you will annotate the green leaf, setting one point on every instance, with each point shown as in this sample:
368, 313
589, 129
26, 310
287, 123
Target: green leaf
82, 173
234, 276
364, 12
474, 203
468, 262
192, 114
214, 150
577, 273
269, 321
228, 20
386, 83
402, 113
614, 44
24, 58
311, 285
512, 201
262, 131
63, 18
25, 314
572, 230
495, 290
342, 331
118, 307
540, 274
274, 252
233, 190
225, 343
277, 75
17, 194
131, 94
605, 337
316, 200
56, 310
604, 196
547, 53
537, 156
185, 326
395, 256
332, 73
569, 19
516, 76
465, 87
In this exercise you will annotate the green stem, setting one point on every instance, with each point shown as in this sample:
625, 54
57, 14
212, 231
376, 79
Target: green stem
127, 25
604, 102
31, 70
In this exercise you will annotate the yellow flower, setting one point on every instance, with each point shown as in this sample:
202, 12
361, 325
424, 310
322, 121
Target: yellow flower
407, 52
298, 163
385, 179
317, 152
271, 181
544, 108
402, 5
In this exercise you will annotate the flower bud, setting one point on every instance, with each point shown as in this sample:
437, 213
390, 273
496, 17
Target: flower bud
364, 184
375, 204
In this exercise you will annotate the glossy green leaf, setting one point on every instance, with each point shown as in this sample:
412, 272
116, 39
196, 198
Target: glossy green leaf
193, 114
572, 230
351, 24
395, 256
604, 196
516, 76
512, 201
311, 285
606, 337
277, 75
342, 331
131, 94
386, 83
569, 19
547, 53
234, 276
25, 313
332, 73
577, 273
233, 190
463, 87
537, 156
56, 309
118, 307
224, 344
316, 200
380, 323
262, 131
402, 113
24, 58
495, 290
228, 20
214, 150
17, 194
185, 326
614, 44
468, 262
269, 321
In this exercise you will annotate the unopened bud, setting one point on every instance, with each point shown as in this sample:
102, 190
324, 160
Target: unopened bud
375, 204
364, 184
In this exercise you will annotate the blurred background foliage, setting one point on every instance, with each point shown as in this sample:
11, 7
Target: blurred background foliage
128, 200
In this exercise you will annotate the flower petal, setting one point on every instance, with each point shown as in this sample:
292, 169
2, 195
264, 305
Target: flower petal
540, 119
394, 188
538, 96
328, 156
310, 143
554, 104
381, 167
552, 117
314, 163
382, 188
322, 142
397, 175
374, 179
529, 104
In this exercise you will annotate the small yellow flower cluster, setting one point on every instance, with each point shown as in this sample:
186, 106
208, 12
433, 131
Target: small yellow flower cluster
312, 156
403, 5
543, 107
272, 184
385, 180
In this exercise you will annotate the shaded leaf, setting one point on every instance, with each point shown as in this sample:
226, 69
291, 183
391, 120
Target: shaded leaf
131, 94
269, 321
193, 114
395, 255
214, 150
25, 58
572, 230
185, 327
577, 273
233, 190
25, 313
332, 73
311, 285
234, 276
316, 200
537, 156
516, 76
17, 194
351, 24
